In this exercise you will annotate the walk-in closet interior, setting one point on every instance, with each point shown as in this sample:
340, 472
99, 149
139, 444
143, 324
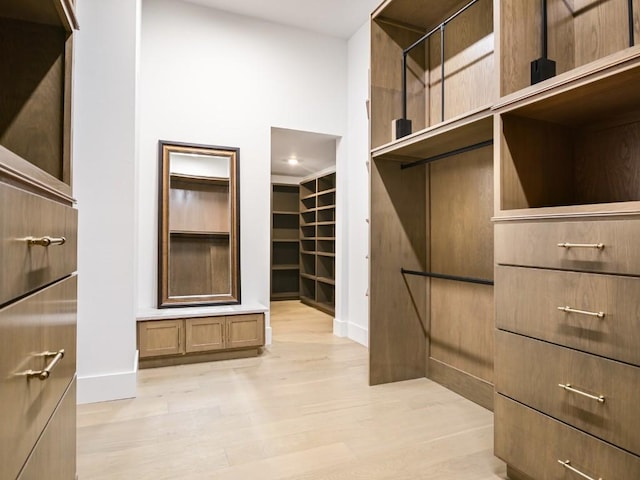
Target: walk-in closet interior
504, 139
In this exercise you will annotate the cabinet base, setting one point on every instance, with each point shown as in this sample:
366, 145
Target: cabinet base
472, 388
198, 358
514, 474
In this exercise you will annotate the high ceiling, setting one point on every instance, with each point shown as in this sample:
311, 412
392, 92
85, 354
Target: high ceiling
338, 18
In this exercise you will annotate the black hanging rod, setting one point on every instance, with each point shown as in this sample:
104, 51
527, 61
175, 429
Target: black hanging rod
456, 278
451, 153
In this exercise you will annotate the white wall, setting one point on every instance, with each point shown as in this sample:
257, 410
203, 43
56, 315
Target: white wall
212, 77
104, 172
356, 189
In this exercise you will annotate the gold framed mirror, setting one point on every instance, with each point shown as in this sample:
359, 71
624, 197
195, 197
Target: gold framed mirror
199, 225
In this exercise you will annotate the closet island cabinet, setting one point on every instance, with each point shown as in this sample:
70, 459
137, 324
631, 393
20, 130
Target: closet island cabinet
38, 226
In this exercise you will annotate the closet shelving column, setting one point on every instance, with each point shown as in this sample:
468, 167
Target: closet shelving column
285, 268
567, 222
431, 259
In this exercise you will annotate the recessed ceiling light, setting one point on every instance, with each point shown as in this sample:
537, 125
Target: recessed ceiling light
292, 161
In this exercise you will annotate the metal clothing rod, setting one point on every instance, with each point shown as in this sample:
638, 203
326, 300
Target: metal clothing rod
632, 40
427, 35
442, 71
451, 153
456, 278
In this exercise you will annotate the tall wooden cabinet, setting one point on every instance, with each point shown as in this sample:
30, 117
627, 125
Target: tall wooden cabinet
38, 226
318, 242
285, 247
532, 182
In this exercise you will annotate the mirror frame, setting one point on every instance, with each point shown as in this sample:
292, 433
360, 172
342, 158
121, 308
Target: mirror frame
165, 148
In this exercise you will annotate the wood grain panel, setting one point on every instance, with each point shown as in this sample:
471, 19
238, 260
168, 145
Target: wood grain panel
535, 244
398, 316
204, 334
32, 74
54, 456
461, 209
423, 15
245, 330
160, 337
469, 64
462, 326
199, 266
529, 371
45, 321
533, 443
527, 302
472, 388
199, 207
24, 267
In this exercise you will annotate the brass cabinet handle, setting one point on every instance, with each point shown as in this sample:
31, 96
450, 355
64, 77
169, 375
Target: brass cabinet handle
46, 372
581, 312
569, 388
46, 241
567, 464
567, 245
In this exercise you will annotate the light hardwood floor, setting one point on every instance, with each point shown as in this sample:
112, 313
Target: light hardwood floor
303, 410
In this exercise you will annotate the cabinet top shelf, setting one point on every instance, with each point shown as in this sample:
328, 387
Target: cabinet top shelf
52, 12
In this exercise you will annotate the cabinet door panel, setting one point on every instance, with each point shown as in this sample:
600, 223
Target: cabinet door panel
158, 338
204, 334
245, 331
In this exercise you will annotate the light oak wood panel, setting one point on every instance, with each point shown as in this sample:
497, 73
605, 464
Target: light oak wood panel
199, 207
54, 456
204, 334
199, 266
535, 244
33, 80
462, 326
423, 15
469, 64
463, 383
533, 443
527, 302
530, 371
245, 331
42, 322
158, 338
27, 267
398, 324
461, 203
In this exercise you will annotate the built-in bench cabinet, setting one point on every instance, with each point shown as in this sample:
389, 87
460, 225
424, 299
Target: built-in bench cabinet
196, 338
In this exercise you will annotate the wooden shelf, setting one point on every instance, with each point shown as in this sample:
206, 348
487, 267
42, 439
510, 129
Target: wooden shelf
308, 276
326, 207
307, 252
285, 244
325, 254
326, 192
285, 213
285, 240
323, 307
187, 233
198, 179
285, 267
328, 281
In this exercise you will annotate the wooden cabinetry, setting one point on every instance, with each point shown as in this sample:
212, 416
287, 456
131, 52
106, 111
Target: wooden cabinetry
566, 220
318, 242
185, 340
38, 229
431, 237
285, 246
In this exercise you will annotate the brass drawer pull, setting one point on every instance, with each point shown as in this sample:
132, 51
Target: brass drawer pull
582, 312
44, 374
46, 241
569, 388
599, 246
567, 464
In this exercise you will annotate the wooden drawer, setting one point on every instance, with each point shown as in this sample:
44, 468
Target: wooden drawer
44, 321
535, 244
245, 330
28, 267
54, 456
534, 443
530, 371
527, 302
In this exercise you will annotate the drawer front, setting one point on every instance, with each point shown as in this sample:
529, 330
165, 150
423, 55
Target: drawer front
535, 244
42, 322
204, 334
161, 337
27, 267
245, 330
531, 371
534, 443
528, 301
54, 456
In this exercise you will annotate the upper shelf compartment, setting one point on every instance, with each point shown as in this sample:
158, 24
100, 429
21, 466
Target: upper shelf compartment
35, 74
576, 33
407, 49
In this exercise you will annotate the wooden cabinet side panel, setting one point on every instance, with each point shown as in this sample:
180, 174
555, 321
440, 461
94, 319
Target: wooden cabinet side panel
157, 338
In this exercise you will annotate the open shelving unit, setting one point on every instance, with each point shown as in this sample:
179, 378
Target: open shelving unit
317, 241
285, 251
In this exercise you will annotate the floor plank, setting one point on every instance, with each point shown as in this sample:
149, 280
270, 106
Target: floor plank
301, 411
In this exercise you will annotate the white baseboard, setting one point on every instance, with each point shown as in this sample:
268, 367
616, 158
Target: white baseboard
358, 334
340, 328
268, 335
104, 388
